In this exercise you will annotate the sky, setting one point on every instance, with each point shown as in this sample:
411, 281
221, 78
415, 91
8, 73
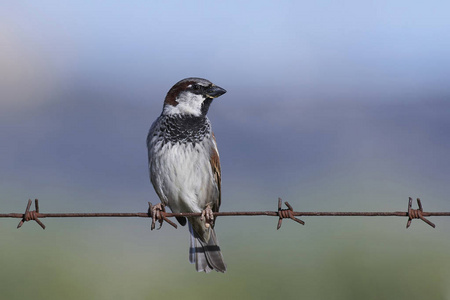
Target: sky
329, 105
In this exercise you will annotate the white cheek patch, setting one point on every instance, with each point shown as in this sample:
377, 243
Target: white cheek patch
188, 103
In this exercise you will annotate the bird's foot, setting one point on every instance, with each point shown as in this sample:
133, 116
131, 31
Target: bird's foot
208, 216
156, 214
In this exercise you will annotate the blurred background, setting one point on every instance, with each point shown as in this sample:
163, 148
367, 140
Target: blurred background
332, 106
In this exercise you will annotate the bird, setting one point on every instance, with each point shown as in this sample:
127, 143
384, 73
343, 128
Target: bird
184, 166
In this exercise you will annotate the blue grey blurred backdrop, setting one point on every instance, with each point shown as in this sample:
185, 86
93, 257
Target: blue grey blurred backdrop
337, 106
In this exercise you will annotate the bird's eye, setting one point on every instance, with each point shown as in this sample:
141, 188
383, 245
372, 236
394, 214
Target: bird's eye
195, 87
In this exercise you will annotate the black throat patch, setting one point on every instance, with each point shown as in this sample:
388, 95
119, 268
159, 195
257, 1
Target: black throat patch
184, 129
205, 105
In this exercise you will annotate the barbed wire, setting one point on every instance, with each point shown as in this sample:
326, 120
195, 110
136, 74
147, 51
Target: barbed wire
158, 214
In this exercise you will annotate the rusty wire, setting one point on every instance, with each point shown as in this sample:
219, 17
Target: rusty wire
160, 215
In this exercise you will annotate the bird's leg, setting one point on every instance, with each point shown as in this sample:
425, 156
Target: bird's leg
207, 215
156, 214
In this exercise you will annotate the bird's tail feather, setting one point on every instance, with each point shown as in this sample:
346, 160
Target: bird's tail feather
206, 256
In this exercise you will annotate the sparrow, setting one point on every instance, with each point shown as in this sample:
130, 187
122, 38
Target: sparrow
184, 166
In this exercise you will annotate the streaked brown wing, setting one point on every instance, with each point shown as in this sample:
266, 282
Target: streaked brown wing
215, 166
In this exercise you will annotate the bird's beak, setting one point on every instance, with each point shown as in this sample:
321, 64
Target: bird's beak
215, 91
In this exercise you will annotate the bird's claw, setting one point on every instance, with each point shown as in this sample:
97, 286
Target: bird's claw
208, 216
156, 215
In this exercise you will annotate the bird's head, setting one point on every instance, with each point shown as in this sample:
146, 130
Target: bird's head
191, 96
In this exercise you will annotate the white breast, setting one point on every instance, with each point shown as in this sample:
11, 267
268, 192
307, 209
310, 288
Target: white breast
182, 174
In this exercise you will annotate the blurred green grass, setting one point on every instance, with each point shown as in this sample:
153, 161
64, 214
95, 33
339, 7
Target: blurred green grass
329, 258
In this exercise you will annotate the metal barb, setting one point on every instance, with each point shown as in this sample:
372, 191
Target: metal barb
286, 213
158, 213
31, 215
417, 213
